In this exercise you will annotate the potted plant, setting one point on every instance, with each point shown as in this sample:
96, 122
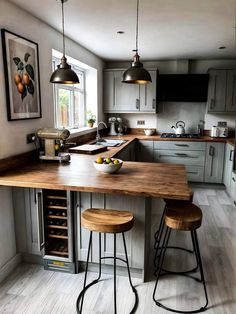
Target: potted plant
91, 119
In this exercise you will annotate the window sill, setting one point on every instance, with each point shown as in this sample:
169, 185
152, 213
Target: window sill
81, 131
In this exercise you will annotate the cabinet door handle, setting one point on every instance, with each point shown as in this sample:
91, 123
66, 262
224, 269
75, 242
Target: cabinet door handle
182, 145
181, 154
154, 104
212, 103
40, 222
231, 154
137, 103
233, 179
211, 151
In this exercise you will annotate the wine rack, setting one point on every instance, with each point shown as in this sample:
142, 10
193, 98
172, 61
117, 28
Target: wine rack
56, 223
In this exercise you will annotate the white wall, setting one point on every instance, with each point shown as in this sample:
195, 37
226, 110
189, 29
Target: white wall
170, 113
13, 134
12, 18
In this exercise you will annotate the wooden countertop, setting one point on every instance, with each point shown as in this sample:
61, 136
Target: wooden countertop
159, 138
134, 178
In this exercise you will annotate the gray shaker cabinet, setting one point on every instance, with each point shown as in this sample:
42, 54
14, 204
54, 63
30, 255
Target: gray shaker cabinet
230, 105
228, 166
221, 91
26, 209
121, 97
145, 151
214, 162
118, 96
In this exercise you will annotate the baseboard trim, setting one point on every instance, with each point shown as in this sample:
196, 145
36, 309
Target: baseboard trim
6, 269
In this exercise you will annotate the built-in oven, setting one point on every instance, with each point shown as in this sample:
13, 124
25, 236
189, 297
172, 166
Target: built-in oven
56, 229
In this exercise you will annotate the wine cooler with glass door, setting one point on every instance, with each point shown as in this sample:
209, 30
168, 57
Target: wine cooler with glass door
56, 232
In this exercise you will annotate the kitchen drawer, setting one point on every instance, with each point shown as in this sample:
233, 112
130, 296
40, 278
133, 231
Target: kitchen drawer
195, 173
177, 145
188, 158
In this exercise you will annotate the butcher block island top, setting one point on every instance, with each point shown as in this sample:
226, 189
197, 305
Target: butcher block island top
134, 178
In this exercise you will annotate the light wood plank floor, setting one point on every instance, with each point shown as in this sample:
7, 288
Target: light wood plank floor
30, 289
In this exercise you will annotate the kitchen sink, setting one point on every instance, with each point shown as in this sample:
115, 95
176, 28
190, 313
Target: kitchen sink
110, 142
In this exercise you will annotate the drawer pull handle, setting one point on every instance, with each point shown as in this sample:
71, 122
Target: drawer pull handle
181, 154
233, 179
182, 145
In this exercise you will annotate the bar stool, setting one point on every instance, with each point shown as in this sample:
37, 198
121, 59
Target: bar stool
106, 221
185, 217
175, 203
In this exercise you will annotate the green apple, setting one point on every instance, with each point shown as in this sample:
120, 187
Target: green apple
108, 160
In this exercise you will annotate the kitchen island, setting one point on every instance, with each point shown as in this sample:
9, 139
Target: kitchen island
138, 187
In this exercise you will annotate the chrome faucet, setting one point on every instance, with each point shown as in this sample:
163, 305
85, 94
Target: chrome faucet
98, 138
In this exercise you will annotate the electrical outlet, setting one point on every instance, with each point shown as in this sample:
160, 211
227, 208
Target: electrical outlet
30, 138
140, 122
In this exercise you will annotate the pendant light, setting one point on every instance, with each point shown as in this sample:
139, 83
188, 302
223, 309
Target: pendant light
64, 74
136, 74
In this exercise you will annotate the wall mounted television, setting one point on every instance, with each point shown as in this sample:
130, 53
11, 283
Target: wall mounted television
182, 87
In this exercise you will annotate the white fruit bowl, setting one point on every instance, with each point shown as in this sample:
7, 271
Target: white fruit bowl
108, 168
149, 132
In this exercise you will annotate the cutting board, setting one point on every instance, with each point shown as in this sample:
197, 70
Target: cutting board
88, 149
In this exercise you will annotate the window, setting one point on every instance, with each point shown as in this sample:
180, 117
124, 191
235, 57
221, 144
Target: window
70, 111
75, 104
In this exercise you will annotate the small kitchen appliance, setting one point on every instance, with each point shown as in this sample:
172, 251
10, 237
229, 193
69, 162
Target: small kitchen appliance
52, 150
179, 127
112, 121
219, 131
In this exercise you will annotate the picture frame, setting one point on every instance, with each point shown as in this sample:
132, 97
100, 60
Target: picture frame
22, 79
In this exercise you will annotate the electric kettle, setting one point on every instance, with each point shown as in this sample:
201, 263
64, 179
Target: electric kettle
179, 127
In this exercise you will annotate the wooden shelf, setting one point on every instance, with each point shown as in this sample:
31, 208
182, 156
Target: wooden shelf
57, 227
57, 236
57, 197
58, 253
57, 217
56, 207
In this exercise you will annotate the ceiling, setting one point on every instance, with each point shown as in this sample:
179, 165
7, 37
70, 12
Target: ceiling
168, 29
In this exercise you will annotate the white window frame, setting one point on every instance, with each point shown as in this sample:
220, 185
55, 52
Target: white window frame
81, 88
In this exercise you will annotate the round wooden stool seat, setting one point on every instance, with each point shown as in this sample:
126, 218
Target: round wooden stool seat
107, 220
183, 216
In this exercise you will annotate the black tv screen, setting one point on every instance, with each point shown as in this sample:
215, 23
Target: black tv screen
182, 87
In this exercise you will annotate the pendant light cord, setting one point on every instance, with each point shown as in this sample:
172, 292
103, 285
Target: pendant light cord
137, 27
63, 26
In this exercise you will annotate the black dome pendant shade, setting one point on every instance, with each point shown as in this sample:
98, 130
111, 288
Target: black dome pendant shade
64, 74
136, 74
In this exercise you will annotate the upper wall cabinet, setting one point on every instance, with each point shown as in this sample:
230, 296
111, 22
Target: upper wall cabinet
222, 91
121, 97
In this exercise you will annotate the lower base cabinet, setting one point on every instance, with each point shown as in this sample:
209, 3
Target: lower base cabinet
233, 187
137, 238
214, 162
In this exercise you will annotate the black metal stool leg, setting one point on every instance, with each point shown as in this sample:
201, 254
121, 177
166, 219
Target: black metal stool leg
199, 263
161, 259
201, 269
130, 281
115, 309
81, 295
79, 303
